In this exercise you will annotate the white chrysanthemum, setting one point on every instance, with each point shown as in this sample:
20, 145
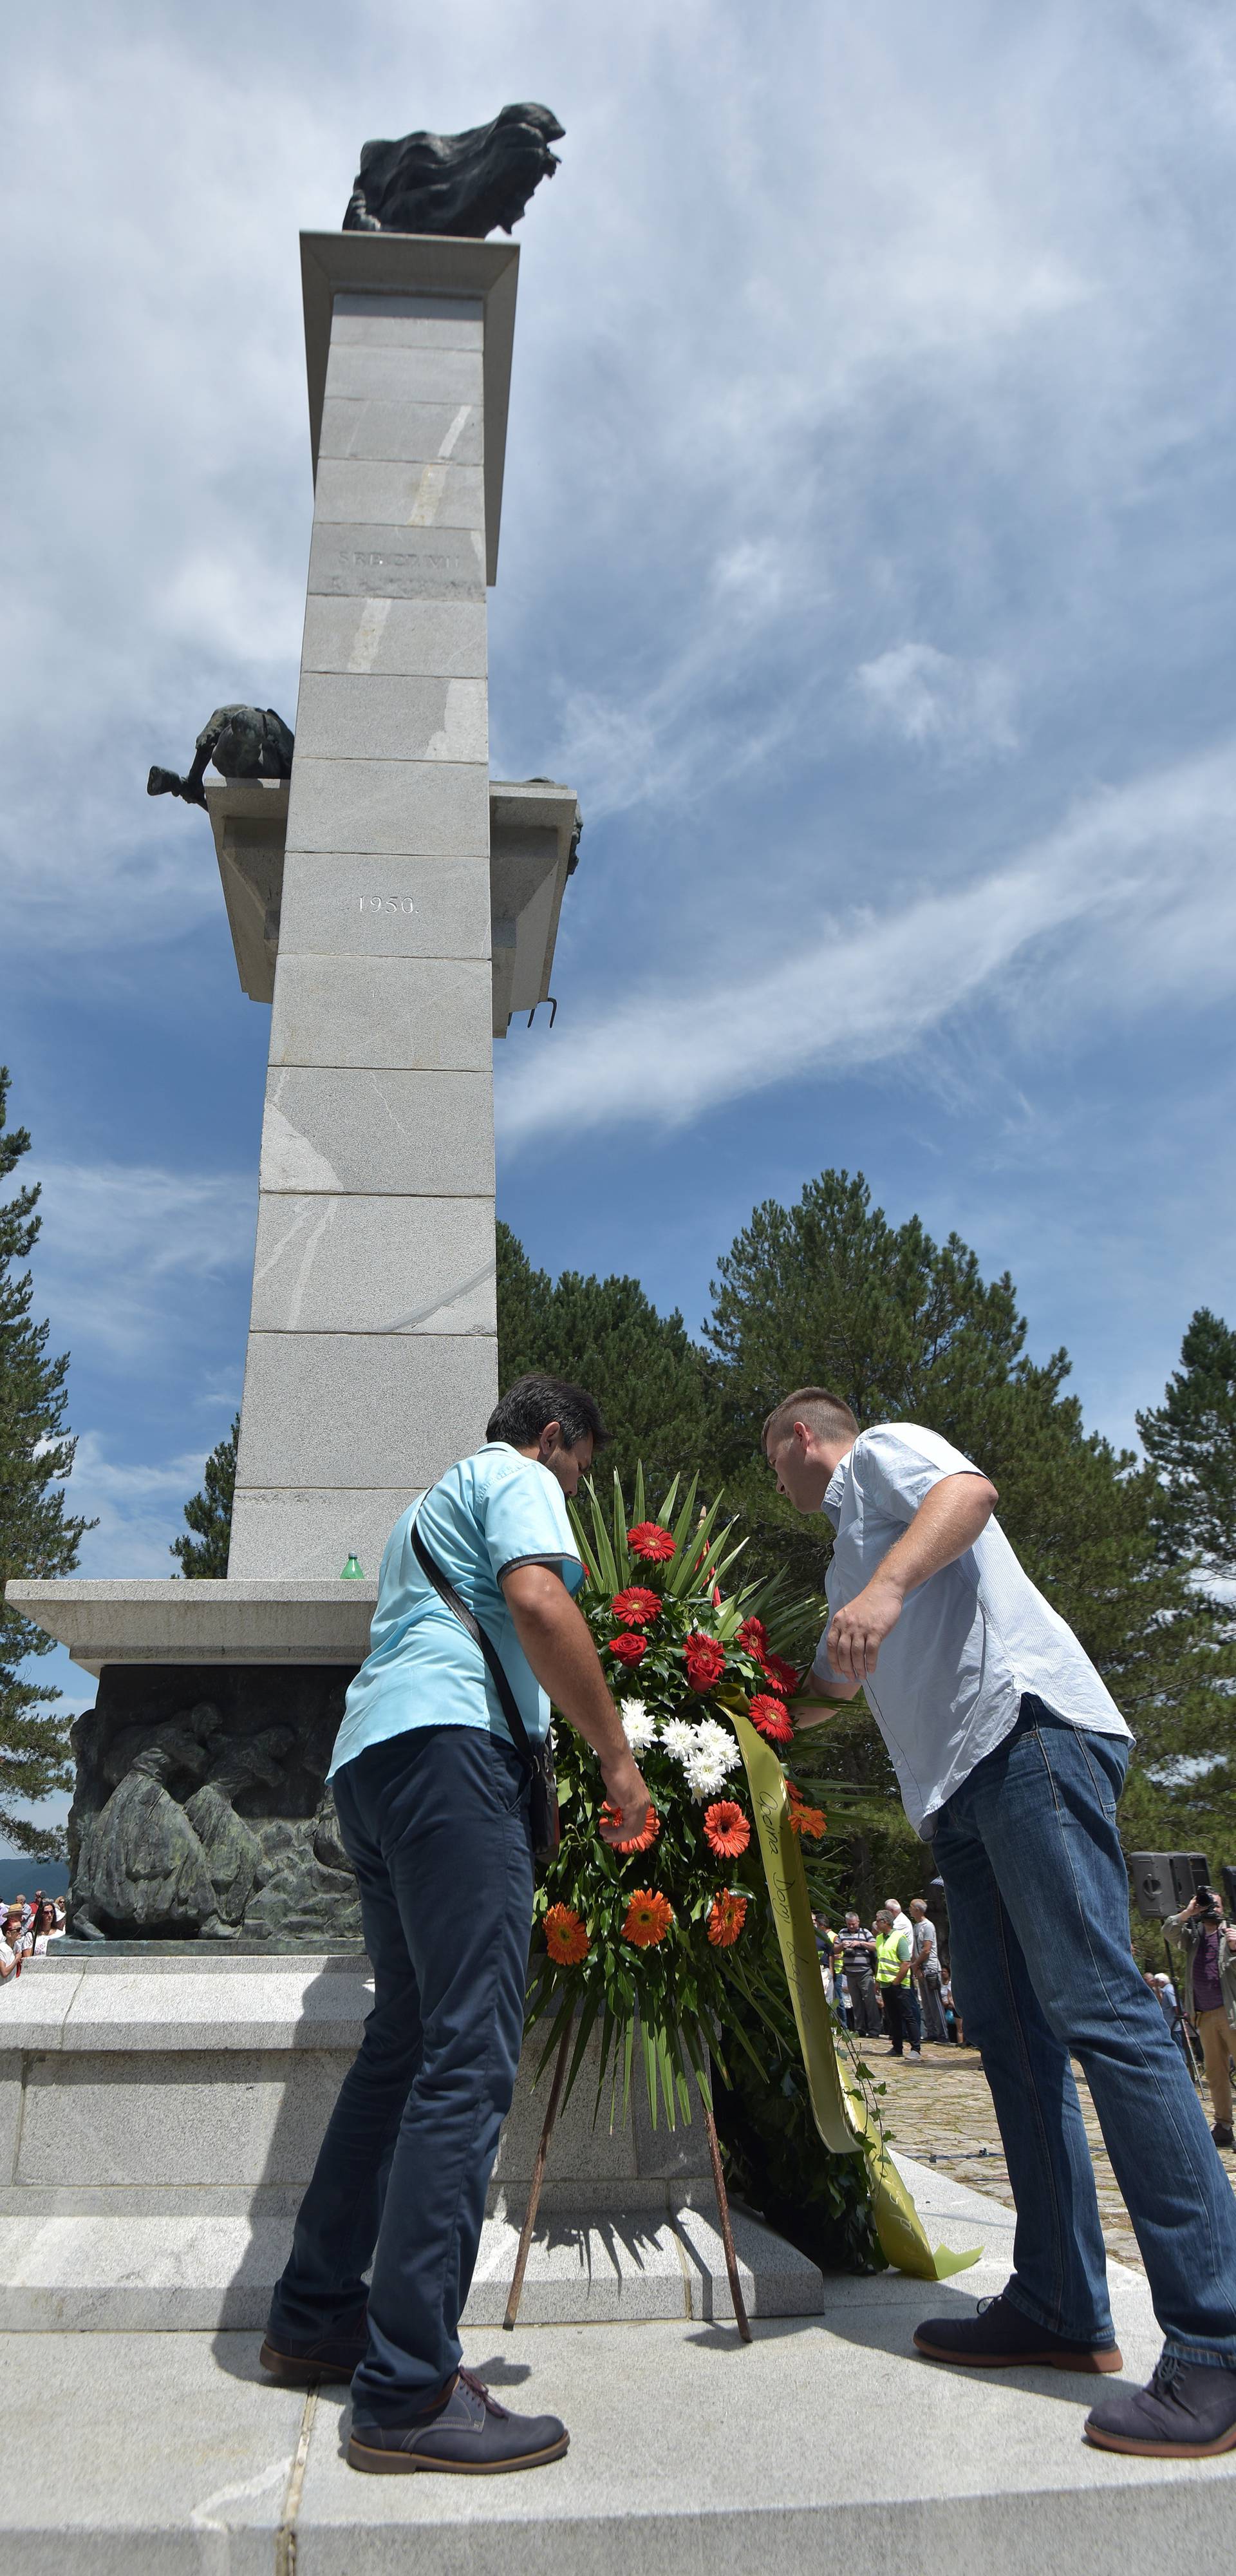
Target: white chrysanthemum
705, 1775
678, 1738
640, 1725
718, 1744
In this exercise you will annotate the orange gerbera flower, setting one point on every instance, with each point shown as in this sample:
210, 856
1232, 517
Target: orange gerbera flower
726, 1830
726, 1917
804, 1818
649, 1917
611, 1815
637, 1607
565, 1937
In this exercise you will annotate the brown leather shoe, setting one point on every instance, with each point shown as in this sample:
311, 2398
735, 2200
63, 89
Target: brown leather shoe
312, 2365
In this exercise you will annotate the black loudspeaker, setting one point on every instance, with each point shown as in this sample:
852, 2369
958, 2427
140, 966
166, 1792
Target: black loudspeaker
1163, 1882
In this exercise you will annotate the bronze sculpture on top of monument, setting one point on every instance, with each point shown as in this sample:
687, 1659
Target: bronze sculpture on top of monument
469, 184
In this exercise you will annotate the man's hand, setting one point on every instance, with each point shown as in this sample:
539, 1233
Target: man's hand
859, 1630
624, 1787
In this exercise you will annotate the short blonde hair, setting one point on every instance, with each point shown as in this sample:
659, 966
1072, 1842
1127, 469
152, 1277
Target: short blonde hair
828, 1415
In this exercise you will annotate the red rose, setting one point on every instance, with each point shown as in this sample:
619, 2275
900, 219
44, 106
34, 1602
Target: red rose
753, 1635
637, 1607
772, 1720
628, 1649
651, 1541
705, 1661
782, 1676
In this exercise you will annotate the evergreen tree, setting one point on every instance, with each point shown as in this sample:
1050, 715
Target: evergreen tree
1190, 1440
38, 1537
204, 1558
828, 1293
650, 1380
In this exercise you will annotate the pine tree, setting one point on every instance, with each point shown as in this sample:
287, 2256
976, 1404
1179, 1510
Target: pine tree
1190, 1440
39, 1539
650, 1380
828, 1293
210, 1513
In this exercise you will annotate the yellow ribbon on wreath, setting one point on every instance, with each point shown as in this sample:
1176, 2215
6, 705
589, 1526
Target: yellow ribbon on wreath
841, 2114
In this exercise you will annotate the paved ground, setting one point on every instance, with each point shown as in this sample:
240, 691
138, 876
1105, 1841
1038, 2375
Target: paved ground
941, 2112
827, 2442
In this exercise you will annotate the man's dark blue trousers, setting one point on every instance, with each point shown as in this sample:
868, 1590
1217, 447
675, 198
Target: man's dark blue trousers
435, 1823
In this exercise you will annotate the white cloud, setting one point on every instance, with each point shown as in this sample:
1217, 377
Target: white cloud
871, 986
139, 1510
125, 1249
937, 701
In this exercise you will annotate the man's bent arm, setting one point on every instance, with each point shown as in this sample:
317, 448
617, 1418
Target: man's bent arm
947, 1522
557, 1641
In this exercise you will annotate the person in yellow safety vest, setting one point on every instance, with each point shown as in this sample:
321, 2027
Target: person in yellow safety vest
902, 2020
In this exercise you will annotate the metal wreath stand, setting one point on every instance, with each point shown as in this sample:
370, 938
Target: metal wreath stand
538, 2176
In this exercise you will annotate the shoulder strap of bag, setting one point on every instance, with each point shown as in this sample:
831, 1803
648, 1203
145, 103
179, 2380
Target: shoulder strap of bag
467, 1618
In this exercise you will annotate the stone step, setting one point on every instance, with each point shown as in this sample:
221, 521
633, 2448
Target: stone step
194, 2271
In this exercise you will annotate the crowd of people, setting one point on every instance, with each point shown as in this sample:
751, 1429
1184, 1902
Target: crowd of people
27, 1926
890, 1980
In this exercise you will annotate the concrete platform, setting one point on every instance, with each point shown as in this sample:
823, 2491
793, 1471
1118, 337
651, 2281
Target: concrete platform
826, 2442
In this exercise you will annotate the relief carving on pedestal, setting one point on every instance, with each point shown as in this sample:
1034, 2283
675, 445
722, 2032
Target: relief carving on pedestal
201, 1810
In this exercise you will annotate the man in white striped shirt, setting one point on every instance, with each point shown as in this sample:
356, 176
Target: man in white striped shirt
1010, 1754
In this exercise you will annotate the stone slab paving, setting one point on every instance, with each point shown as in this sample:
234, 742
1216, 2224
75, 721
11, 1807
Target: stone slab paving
826, 2442
942, 2110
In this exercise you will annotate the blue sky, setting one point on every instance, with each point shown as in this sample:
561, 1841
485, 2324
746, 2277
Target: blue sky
867, 566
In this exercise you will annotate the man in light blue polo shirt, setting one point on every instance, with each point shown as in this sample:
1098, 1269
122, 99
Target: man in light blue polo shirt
1010, 1754
433, 1799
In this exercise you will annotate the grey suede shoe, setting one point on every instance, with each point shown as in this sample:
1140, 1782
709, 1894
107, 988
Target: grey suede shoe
471, 2435
999, 2337
1187, 2412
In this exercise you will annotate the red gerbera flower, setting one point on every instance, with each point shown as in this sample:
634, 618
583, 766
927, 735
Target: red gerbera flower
772, 1720
726, 1830
705, 1661
726, 1917
637, 1607
651, 1541
629, 1648
649, 1917
807, 1820
565, 1937
782, 1676
753, 1635
611, 1815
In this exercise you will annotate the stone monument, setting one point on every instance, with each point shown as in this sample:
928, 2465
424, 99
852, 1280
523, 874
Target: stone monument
164, 2084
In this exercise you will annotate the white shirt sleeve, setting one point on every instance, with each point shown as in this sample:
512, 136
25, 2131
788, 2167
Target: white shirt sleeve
897, 1464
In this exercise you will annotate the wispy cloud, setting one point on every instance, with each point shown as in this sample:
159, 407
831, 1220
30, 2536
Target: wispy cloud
938, 702
866, 988
139, 1509
125, 1251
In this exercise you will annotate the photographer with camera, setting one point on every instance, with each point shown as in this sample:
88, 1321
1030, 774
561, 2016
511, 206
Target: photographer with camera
1209, 1942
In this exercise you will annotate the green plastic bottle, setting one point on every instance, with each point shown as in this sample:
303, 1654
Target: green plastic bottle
353, 1571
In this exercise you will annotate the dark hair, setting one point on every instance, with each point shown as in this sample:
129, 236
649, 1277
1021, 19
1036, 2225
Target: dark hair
522, 1413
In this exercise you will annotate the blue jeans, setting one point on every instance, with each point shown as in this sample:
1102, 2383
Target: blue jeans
435, 1823
1038, 1911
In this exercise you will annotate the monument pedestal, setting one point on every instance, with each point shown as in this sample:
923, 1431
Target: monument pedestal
159, 2120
